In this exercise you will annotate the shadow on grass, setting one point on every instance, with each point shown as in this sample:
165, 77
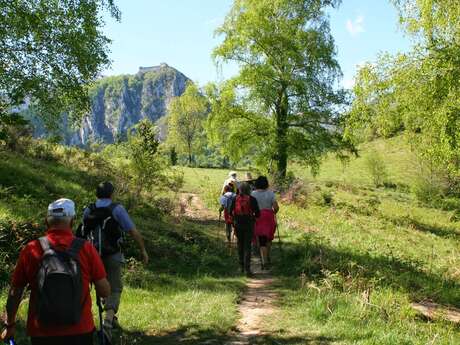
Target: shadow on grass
193, 335
436, 230
316, 259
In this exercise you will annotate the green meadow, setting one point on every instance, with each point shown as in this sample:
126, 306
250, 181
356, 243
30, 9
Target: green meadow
349, 261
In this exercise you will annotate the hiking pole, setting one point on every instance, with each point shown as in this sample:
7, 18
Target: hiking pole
101, 331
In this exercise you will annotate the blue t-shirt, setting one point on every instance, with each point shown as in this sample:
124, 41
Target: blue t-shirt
119, 213
121, 216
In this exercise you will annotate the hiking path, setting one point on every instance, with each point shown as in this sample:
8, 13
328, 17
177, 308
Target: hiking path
258, 299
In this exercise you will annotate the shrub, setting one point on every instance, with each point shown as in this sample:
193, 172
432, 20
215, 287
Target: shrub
377, 168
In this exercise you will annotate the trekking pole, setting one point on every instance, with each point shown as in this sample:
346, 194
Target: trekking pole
101, 331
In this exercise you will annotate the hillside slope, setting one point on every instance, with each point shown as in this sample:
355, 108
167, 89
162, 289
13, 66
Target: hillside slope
189, 290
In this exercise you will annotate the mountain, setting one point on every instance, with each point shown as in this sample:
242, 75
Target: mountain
119, 102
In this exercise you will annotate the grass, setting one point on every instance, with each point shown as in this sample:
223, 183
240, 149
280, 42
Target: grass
189, 290
348, 270
353, 257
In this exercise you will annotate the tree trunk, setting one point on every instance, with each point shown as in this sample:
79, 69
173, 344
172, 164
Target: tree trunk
281, 154
190, 154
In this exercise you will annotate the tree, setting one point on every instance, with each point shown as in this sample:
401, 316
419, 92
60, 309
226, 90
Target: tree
50, 52
284, 103
185, 121
417, 92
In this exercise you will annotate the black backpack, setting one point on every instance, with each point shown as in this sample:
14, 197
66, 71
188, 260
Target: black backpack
60, 285
101, 229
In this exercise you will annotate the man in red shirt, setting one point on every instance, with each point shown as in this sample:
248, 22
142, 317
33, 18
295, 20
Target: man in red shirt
59, 221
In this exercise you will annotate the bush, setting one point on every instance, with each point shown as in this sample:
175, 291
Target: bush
13, 237
427, 190
377, 168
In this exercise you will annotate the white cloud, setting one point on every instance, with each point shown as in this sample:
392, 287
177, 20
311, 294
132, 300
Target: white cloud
348, 83
355, 27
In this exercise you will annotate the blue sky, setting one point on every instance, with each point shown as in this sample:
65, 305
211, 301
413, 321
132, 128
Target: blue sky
180, 33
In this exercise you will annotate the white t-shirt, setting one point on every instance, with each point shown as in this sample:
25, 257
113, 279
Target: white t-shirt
265, 198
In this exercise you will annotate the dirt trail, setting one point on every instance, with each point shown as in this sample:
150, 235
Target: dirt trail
258, 299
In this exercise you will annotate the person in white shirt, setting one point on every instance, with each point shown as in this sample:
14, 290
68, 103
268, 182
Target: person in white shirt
231, 180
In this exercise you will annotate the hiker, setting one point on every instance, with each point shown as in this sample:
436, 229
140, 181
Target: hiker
226, 202
95, 218
265, 226
244, 211
231, 180
58, 268
250, 180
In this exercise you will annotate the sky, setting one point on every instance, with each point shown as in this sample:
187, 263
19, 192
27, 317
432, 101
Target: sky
181, 34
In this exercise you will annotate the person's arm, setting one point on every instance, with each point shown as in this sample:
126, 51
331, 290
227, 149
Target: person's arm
102, 287
12, 305
140, 242
276, 207
122, 217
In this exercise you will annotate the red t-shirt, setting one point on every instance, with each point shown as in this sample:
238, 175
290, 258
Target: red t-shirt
92, 270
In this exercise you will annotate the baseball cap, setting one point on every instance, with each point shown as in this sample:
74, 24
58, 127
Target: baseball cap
61, 208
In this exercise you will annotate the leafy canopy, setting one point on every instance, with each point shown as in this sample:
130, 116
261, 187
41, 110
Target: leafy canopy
51, 50
418, 91
284, 101
186, 115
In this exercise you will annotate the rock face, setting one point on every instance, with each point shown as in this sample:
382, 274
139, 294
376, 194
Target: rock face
119, 102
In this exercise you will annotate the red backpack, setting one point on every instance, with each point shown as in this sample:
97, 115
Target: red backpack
243, 206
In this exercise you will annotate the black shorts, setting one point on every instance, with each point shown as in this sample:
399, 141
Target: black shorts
263, 240
79, 339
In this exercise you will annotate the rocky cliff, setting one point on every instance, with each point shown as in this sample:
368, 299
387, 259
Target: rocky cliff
119, 102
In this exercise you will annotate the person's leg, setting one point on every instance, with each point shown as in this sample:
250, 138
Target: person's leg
263, 250
228, 230
240, 243
269, 248
112, 303
247, 248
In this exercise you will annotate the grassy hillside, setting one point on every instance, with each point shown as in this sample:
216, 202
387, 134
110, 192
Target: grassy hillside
189, 289
353, 257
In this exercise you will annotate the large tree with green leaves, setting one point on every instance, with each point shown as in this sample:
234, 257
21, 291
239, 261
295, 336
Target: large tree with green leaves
284, 102
417, 92
50, 51
186, 115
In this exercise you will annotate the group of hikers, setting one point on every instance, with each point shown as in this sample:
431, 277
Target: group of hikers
250, 209
60, 267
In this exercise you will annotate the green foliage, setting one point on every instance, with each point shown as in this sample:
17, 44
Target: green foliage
186, 115
51, 51
377, 168
284, 103
417, 91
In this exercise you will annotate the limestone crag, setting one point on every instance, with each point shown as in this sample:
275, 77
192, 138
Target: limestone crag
119, 102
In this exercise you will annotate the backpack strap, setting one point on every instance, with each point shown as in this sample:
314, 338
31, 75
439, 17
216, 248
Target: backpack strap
75, 247
44, 243
112, 206
92, 207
